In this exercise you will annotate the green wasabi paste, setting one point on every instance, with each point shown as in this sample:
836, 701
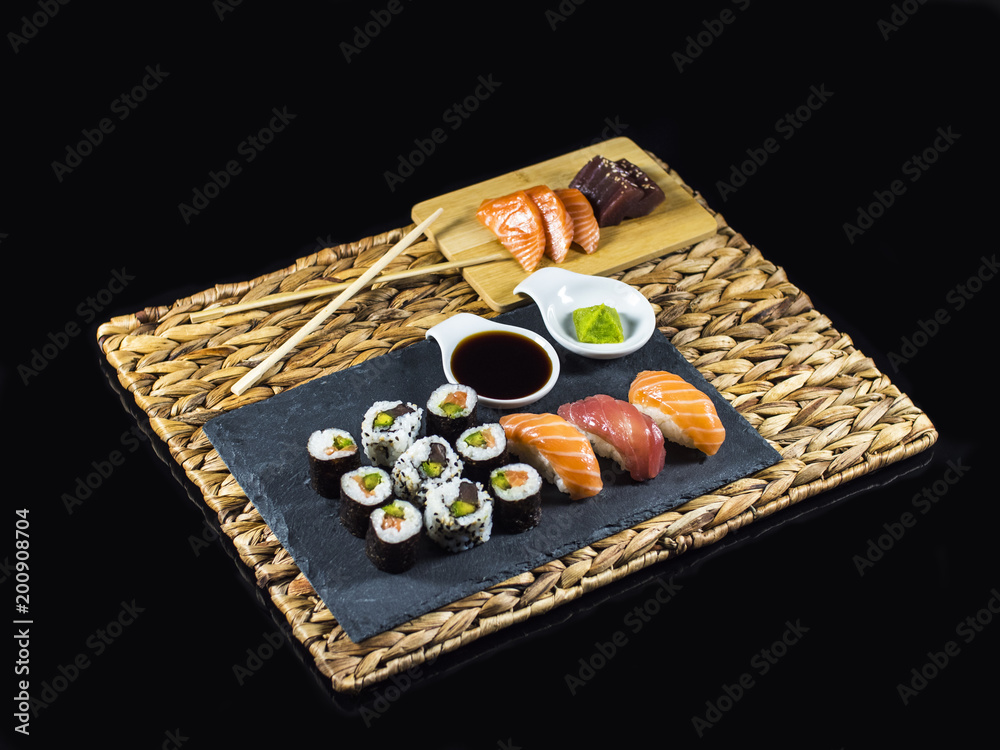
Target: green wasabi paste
599, 324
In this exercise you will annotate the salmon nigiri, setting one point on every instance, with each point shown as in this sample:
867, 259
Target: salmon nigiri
557, 220
619, 431
518, 224
586, 230
560, 452
684, 414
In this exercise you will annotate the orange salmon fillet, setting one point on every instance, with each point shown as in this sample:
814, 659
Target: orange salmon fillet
586, 230
557, 220
561, 453
684, 414
518, 225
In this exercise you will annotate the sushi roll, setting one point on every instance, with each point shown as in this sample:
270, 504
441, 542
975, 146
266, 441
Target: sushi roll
362, 490
458, 514
393, 536
331, 453
451, 409
482, 448
517, 497
428, 461
389, 428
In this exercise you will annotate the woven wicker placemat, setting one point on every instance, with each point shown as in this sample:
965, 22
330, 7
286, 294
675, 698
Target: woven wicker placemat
756, 337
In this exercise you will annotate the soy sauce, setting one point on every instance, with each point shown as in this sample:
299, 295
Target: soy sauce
501, 364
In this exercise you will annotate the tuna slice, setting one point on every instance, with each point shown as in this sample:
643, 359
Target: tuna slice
618, 190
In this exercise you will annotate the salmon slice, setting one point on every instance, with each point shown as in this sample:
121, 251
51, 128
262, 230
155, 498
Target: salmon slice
586, 230
560, 452
518, 224
558, 222
683, 413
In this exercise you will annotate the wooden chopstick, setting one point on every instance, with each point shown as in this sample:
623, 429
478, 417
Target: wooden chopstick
317, 320
213, 313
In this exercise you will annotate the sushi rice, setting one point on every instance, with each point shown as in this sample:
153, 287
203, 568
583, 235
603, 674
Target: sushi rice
384, 443
392, 547
517, 506
331, 452
452, 528
356, 502
482, 448
410, 477
450, 409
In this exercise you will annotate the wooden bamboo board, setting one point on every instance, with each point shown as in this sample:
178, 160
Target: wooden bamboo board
677, 222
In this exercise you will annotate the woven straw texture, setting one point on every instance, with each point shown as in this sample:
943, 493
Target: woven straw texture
824, 405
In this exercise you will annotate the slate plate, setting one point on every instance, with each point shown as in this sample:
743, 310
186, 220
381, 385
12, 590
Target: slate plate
263, 444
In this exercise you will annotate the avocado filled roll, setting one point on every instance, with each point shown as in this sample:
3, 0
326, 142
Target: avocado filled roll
389, 428
428, 461
458, 514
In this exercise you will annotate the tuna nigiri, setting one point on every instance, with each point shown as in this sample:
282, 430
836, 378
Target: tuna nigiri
684, 414
586, 230
560, 452
518, 224
619, 431
557, 220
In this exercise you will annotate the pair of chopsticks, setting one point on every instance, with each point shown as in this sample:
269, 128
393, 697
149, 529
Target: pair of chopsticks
351, 288
281, 298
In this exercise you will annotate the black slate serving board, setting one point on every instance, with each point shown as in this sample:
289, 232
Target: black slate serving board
263, 445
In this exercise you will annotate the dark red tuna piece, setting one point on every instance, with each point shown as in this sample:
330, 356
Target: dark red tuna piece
652, 195
617, 190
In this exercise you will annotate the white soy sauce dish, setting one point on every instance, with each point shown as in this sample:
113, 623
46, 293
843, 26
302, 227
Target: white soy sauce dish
559, 292
508, 366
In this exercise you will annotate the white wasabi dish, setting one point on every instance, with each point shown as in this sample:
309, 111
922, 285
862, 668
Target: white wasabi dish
558, 292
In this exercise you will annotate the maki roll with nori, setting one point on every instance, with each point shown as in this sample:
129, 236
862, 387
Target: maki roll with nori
451, 409
458, 514
517, 494
389, 428
393, 536
428, 461
362, 490
331, 453
482, 448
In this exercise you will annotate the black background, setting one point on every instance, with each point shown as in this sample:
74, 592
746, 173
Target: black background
195, 667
